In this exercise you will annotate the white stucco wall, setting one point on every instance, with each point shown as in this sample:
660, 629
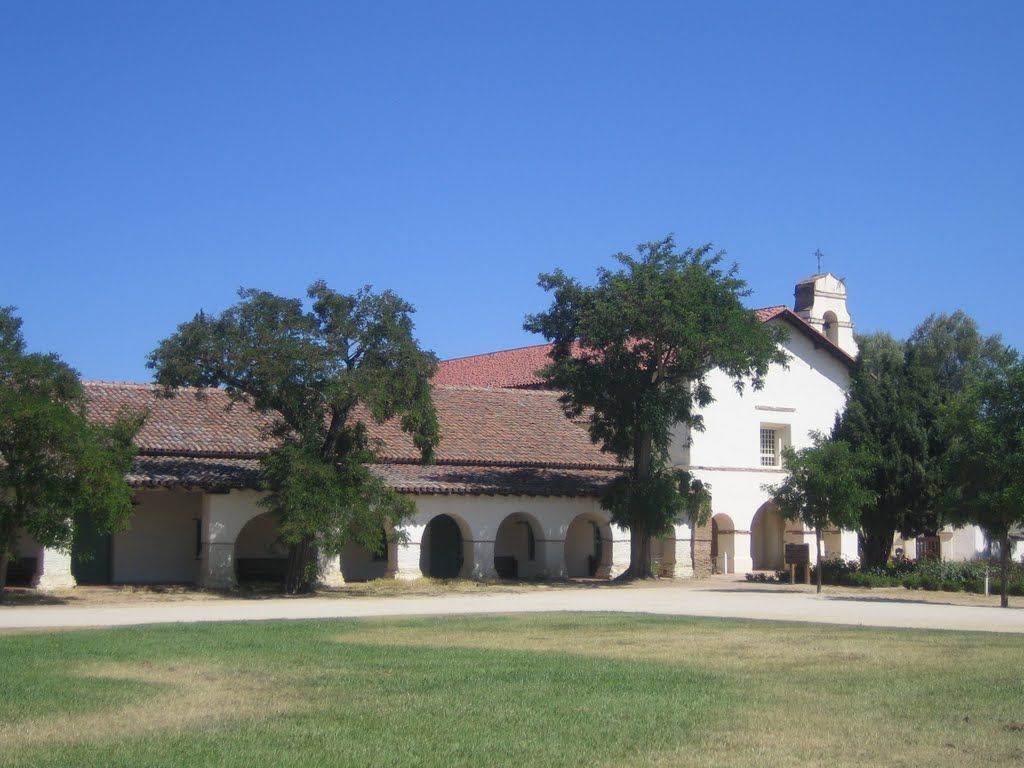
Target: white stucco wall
223, 517
480, 517
160, 545
727, 455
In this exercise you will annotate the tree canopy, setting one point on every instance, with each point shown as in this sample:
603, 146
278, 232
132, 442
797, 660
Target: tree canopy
984, 464
825, 487
890, 410
633, 354
322, 372
892, 418
54, 464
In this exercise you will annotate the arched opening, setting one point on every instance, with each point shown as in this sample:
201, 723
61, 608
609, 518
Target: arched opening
723, 544
442, 550
767, 539
830, 326
517, 548
588, 548
360, 564
260, 555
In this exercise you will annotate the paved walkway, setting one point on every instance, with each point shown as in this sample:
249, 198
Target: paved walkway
709, 598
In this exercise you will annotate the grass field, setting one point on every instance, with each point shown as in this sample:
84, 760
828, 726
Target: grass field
541, 690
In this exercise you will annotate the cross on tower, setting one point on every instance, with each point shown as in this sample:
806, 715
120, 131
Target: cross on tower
820, 256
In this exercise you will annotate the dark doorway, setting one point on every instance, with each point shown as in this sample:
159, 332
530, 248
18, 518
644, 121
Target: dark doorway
91, 554
445, 548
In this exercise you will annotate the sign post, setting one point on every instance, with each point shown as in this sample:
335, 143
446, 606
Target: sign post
799, 554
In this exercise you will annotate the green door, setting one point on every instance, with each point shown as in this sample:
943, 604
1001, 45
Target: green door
91, 554
445, 548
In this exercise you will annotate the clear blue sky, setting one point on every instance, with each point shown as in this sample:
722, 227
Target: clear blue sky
158, 156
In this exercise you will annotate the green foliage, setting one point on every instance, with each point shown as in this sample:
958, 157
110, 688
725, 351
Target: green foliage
984, 463
54, 463
889, 412
825, 485
654, 500
931, 575
892, 418
633, 353
322, 373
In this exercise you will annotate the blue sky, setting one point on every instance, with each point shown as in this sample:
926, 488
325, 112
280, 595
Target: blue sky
158, 156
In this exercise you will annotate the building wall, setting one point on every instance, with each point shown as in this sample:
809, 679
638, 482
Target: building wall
480, 517
160, 545
796, 401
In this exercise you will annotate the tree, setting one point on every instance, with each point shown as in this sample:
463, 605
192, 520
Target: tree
825, 487
984, 464
322, 374
952, 349
55, 464
891, 417
887, 419
633, 353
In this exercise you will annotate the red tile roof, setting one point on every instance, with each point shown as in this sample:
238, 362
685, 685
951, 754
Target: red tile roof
517, 368
183, 424
496, 481
510, 368
492, 441
770, 313
494, 427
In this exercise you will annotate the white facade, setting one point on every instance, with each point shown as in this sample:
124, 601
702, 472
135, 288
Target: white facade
214, 539
730, 454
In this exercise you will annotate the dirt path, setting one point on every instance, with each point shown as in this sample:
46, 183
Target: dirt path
718, 597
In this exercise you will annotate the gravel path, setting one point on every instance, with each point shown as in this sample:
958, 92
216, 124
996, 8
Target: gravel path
727, 599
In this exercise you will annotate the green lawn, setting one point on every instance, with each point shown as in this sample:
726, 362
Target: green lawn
564, 690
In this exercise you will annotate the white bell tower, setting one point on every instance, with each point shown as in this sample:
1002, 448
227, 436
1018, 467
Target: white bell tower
821, 301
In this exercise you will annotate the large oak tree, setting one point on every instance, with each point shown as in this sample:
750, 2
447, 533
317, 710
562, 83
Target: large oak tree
322, 373
634, 352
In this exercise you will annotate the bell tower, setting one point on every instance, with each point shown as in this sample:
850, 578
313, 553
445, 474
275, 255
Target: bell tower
821, 300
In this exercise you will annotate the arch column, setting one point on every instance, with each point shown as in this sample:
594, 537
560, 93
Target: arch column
482, 565
742, 562
222, 518
620, 552
683, 567
552, 558
217, 545
330, 570
53, 570
407, 553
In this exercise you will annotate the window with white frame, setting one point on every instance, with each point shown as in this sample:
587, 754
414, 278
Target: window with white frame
773, 439
769, 447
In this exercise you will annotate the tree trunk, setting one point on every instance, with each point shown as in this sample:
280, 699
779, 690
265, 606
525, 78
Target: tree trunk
1004, 569
4, 560
877, 543
817, 548
639, 535
300, 575
7, 541
640, 552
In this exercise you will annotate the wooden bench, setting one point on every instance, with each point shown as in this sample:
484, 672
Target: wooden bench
507, 567
261, 568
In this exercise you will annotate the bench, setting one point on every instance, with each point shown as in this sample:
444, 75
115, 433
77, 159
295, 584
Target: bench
507, 567
261, 568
